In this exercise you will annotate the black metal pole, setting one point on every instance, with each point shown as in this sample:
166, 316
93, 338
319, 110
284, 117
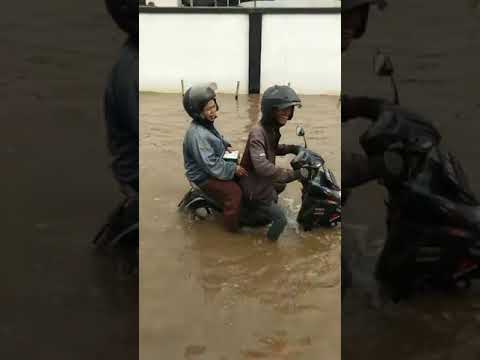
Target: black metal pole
254, 53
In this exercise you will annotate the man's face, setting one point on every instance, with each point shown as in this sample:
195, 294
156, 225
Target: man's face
352, 24
283, 115
210, 111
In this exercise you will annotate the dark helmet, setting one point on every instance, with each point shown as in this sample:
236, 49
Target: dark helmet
196, 98
351, 4
364, 6
125, 15
279, 97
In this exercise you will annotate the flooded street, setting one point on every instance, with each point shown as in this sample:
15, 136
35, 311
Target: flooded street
436, 67
208, 294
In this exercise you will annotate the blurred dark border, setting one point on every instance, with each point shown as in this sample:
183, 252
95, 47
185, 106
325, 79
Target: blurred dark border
59, 299
435, 50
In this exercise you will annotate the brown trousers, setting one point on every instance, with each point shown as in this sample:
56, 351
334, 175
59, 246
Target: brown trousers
229, 194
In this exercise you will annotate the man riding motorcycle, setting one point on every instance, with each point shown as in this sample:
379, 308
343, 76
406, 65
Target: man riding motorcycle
357, 169
266, 179
121, 118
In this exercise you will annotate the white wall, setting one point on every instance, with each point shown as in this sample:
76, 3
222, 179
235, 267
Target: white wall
198, 48
294, 3
194, 47
304, 50
164, 3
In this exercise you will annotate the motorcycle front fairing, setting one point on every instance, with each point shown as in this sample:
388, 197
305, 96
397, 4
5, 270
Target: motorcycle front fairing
318, 212
323, 184
433, 216
321, 198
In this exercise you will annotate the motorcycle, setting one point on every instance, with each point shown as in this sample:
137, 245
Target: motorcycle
119, 235
321, 194
433, 217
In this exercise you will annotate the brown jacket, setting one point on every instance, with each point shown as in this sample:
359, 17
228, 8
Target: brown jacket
259, 160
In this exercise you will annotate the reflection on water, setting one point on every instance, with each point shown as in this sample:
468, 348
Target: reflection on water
208, 294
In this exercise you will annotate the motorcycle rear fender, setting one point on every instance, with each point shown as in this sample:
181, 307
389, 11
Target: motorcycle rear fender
186, 198
199, 200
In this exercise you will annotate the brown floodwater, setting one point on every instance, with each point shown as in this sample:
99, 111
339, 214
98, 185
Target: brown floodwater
208, 294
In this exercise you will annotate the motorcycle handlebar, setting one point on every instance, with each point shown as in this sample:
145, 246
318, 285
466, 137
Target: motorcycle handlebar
307, 159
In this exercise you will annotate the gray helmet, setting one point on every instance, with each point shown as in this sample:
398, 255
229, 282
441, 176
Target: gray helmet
196, 98
279, 97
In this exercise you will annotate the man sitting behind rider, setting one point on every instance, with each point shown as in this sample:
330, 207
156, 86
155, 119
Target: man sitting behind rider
265, 179
203, 151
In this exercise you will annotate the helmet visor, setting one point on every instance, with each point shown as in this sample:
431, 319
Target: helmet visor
288, 104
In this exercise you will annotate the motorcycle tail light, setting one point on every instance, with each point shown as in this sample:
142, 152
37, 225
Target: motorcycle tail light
457, 232
465, 267
332, 199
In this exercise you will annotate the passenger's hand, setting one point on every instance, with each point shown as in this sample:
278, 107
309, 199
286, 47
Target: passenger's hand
229, 149
240, 171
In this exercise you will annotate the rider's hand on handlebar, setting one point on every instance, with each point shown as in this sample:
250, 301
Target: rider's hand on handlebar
361, 107
296, 149
240, 171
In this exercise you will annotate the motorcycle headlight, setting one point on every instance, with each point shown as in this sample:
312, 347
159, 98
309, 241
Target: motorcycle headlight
304, 173
394, 163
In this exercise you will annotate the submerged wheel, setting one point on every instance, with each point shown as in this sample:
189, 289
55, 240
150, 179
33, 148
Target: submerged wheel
201, 210
202, 213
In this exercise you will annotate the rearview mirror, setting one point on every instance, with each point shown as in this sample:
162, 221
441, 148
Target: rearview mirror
382, 64
300, 131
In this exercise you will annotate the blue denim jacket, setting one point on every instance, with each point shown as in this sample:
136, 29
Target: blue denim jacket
203, 150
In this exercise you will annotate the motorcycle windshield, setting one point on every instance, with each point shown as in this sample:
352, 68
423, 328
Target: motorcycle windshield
315, 159
307, 158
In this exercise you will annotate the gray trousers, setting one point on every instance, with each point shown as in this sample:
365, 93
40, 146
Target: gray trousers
258, 214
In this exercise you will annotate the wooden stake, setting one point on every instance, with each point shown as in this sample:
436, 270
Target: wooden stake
238, 88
